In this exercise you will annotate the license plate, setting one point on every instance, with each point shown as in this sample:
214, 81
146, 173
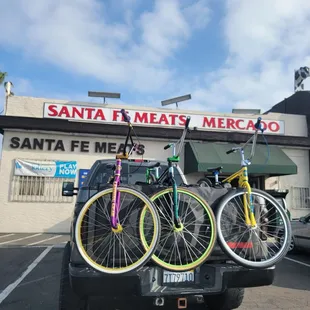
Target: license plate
178, 277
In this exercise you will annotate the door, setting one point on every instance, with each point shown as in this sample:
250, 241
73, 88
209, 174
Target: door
302, 234
257, 182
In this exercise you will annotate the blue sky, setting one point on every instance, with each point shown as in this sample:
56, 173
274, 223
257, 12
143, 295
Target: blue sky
226, 53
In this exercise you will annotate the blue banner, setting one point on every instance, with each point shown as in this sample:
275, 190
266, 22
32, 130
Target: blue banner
65, 169
51, 168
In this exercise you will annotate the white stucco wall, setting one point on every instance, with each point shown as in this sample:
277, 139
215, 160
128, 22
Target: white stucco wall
51, 217
55, 217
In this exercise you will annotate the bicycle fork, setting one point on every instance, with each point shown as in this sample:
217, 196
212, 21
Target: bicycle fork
115, 203
248, 206
176, 219
178, 226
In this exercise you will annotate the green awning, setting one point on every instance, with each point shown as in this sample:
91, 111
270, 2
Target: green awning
200, 156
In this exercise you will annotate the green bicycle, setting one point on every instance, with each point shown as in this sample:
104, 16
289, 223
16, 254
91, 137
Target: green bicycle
152, 173
188, 229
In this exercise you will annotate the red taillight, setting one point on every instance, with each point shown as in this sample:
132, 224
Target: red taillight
240, 245
138, 160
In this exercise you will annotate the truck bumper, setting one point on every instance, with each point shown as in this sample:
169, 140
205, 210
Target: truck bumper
148, 281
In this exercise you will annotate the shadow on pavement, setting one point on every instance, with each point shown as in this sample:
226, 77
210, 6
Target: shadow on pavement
290, 274
62, 227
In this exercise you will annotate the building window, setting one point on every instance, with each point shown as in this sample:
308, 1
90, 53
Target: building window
38, 189
300, 197
31, 186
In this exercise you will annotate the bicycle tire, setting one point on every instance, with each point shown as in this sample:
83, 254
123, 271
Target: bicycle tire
205, 181
229, 252
148, 204
153, 178
210, 216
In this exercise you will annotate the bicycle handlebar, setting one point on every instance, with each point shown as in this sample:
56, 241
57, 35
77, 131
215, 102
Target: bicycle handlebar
125, 116
188, 119
154, 166
181, 140
258, 127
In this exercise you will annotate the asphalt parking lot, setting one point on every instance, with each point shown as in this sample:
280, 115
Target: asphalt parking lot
30, 273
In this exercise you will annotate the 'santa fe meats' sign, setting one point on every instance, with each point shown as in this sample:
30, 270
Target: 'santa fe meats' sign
156, 118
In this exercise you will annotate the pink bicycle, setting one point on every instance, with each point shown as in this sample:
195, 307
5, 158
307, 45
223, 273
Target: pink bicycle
109, 227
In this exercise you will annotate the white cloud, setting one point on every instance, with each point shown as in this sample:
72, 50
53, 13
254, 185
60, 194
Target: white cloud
79, 37
266, 41
164, 29
198, 14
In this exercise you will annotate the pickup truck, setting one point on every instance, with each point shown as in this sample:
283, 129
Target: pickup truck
218, 284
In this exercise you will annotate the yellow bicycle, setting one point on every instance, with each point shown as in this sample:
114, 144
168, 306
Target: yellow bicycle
247, 218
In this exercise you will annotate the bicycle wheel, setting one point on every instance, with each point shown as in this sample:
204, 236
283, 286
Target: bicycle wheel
152, 178
252, 247
204, 182
117, 252
186, 248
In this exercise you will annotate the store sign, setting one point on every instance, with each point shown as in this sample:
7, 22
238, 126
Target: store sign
54, 169
60, 145
156, 118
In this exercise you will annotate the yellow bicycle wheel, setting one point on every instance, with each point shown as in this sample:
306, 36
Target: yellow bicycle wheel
121, 251
186, 248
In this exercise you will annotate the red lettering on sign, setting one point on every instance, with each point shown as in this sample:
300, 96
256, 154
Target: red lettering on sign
99, 114
52, 110
182, 120
230, 123
163, 119
78, 112
238, 124
153, 118
141, 117
158, 118
274, 126
220, 123
89, 112
208, 122
115, 115
64, 111
173, 117
250, 125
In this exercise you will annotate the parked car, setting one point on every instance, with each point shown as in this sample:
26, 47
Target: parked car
301, 234
219, 283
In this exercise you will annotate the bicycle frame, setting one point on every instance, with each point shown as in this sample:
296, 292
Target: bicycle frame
115, 202
169, 174
243, 182
149, 173
242, 175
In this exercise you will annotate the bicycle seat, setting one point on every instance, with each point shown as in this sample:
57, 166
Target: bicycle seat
141, 183
218, 169
154, 166
111, 166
